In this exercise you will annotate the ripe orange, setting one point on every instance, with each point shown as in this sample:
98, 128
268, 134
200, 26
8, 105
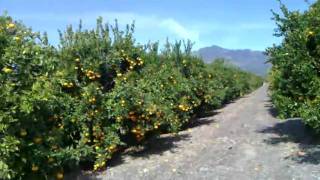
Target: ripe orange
59, 175
23, 132
10, 26
34, 168
37, 140
7, 70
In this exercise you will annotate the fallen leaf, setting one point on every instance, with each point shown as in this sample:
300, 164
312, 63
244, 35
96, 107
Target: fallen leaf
258, 168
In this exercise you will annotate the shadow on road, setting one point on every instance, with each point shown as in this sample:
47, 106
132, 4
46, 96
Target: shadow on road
271, 109
155, 145
293, 130
158, 146
166, 142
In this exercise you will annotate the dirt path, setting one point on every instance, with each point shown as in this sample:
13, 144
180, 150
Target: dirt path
242, 141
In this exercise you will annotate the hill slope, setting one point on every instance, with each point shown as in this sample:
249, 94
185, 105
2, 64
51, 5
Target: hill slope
253, 61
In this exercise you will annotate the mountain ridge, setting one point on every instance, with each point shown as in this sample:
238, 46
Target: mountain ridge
247, 59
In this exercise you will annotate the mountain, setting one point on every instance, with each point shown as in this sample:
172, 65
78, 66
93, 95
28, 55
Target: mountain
253, 61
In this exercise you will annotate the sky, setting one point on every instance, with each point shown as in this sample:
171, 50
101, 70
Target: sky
233, 24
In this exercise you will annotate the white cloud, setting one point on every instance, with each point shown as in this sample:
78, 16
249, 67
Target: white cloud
152, 27
152, 22
179, 30
141, 21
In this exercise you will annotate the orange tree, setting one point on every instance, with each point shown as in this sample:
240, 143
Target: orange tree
295, 73
29, 101
95, 93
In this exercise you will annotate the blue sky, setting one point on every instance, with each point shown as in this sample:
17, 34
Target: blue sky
235, 24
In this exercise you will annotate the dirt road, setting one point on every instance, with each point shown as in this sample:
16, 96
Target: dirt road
241, 141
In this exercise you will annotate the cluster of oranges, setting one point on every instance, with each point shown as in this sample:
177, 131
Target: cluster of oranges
89, 73
92, 100
184, 108
11, 26
68, 85
173, 80
122, 103
102, 156
92, 75
97, 133
151, 113
132, 63
139, 134
7, 70
78, 65
195, 104
132, 116
156, 125
140, 61
92, 113
99, 165
112, 148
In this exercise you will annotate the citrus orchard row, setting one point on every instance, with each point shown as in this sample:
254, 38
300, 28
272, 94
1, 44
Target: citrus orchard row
95, 93
295, 75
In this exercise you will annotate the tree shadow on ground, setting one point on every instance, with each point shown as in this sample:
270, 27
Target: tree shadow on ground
294, 131
271, 109
154, 145
206, 114
159, 144
202, 120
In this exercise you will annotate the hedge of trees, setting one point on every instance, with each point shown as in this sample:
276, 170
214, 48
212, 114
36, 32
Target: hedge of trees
95, 93
295, 75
